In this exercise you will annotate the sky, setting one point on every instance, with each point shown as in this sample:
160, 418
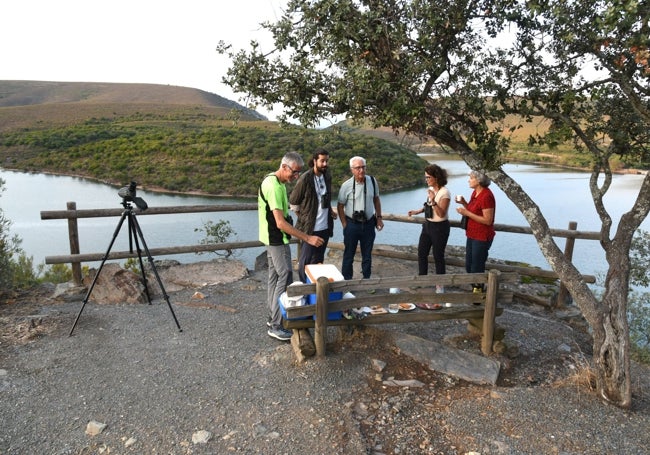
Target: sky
134, 41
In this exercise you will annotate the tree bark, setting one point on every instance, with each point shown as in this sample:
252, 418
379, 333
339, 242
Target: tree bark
612, 341
607, 317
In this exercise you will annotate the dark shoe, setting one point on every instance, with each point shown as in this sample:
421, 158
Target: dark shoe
279, 333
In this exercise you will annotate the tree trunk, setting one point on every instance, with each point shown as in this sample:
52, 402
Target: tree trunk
612, 341
611, 357
607, 317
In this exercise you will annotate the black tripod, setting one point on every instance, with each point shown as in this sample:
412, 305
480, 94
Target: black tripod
134, 233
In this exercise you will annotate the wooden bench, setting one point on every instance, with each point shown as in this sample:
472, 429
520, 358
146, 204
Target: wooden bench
479, 309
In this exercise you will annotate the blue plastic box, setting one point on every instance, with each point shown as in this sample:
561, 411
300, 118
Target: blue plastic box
315, 271
283, 310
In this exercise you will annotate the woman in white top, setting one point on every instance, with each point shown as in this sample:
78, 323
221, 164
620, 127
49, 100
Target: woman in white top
435, 230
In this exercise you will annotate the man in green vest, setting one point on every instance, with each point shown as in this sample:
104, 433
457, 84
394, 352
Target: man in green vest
275, 231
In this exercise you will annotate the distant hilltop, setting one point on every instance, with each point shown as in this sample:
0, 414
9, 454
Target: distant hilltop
29, 93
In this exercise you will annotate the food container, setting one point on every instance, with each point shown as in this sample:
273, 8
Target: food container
288, 302
315, 271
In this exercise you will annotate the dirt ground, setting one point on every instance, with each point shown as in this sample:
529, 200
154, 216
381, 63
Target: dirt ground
225, 375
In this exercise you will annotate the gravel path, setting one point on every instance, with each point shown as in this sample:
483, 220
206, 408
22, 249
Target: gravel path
223, 386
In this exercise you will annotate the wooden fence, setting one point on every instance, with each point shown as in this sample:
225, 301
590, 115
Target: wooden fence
75, 258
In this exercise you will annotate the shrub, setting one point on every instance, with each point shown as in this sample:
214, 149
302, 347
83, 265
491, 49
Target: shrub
15, 268
218, 232
638, 305
57, 273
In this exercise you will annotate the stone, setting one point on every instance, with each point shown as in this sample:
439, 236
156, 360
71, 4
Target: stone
196, 275
403, 383
69, 292
94, 428
445, 359
475, 327
115, 285
201, 437
378, 365
499, 347
261, 262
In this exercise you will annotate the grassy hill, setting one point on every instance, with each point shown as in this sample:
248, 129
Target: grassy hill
29, 93
171, 138
30, 104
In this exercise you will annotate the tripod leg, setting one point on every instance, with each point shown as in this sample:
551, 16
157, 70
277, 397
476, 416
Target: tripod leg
155, 271
133, 238
92, 285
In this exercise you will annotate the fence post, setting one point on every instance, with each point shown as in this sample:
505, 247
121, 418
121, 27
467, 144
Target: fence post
73, 236
320, 325
568, 253
490, 311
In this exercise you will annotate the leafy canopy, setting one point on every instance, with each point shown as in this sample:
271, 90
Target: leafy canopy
455, 71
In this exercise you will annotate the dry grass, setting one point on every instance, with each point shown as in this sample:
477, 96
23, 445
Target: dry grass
583, 377
25, 104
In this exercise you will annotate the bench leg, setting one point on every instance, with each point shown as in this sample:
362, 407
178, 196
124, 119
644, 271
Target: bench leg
490, 312
302, 344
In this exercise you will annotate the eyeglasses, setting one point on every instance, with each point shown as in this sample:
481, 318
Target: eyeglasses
427, 177
358, 168
293, 171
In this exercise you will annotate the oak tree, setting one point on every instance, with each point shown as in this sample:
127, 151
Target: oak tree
457, 71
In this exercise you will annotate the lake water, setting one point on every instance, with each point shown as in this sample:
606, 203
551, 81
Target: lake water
562, 195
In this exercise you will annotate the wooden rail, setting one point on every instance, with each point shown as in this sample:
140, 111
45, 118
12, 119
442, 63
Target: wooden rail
75, 258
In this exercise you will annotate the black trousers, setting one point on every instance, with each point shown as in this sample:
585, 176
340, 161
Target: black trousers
434, 237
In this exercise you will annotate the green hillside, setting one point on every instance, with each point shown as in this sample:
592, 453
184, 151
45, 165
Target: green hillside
182, 140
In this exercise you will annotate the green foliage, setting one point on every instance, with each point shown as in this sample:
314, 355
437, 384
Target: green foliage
24, 276
638, 314
640, 259
395, 65
56, 273
638, 310
16, 269
432, 69
133, 264
195, 155
219, 232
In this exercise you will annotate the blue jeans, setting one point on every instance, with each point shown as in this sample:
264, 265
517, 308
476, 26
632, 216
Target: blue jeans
358, 234
476, 254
